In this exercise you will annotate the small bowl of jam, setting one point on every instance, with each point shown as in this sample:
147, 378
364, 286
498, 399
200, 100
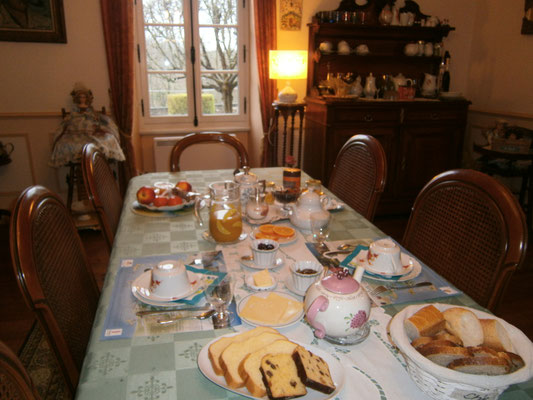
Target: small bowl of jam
264, 252
305, 273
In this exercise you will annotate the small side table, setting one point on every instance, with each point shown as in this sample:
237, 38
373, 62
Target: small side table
287, 110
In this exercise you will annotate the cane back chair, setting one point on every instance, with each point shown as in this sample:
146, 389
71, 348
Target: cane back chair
54, 276
359, 174
470, 229
208, 137
15, 383
103, 190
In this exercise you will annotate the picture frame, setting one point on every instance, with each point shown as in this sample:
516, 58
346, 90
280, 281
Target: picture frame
527, 20
31, 21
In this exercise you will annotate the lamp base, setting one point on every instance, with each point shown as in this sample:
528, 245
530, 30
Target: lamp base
287, 95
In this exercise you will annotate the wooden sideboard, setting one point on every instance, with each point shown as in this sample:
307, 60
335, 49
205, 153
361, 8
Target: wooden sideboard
421, 138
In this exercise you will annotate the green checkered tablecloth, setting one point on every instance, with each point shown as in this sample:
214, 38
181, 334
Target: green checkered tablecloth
165, 366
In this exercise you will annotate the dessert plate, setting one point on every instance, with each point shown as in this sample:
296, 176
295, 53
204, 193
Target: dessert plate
250, 283
281, 240
412, 268
177, 207
289, 284
295, 319
141, 285
207, 236
280, 260
335, 368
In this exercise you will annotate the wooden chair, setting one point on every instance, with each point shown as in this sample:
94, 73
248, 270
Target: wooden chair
470, 229
15, 383
359, 174
103, 190
54, 276
208, 137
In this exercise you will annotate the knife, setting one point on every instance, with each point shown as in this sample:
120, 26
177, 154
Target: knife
170, 310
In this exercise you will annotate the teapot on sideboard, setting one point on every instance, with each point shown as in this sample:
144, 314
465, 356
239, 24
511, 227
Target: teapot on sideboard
308, 203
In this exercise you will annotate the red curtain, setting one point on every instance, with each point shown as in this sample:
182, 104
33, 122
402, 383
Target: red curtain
117, 18
265, 40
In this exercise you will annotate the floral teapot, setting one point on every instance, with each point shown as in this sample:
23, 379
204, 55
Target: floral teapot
338, 307
308, 203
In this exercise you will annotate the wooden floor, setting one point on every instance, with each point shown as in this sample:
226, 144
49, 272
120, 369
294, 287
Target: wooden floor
16, 319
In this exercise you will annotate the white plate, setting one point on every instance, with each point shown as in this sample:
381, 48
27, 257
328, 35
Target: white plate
207, 236
335, 368
250, 283
281, 241
163, 208
141, 285
289, 284
280, 260
275, 213
413, 271
265, 294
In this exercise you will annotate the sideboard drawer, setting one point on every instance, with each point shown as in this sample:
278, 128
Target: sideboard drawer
433, 114
370, 115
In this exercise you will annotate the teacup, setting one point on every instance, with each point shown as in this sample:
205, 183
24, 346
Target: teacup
384, 257
362, 50
305, 273
325, 47
343, 47
264, 252
169, 279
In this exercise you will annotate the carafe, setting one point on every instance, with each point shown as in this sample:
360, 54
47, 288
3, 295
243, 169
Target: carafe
225, 218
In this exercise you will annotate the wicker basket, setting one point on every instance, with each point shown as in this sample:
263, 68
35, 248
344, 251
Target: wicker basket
511, 145
443, 383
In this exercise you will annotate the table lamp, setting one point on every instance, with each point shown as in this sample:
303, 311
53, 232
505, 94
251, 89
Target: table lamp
287, 64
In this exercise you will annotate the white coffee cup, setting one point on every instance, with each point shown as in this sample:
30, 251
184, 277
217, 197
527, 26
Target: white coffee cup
303, 275
169, 279
263, 257
384, 256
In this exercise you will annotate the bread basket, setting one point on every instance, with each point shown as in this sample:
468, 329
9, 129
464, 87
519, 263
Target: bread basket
443, 383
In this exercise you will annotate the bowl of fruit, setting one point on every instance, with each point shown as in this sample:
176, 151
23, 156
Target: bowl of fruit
165, 197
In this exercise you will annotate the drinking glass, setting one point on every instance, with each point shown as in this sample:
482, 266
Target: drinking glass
320, 226
286, 196
220, 295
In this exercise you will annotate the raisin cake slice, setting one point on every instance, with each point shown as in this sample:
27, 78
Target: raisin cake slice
313, 370
281, 377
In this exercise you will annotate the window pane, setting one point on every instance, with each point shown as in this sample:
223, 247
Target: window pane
168, 94
220, 93
163, 11
218, 48
217, 12
165, 49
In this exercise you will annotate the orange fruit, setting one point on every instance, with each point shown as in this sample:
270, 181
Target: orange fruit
267, 228
261, 235
283, 231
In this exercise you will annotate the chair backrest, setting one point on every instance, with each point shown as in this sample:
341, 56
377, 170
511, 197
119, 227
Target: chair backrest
15, 383
54, 275
470, 229
208, 137
359, 174
103, 190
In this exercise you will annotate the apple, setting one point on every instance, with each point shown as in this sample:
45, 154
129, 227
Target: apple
174, 201
145, 195
160, 201
184, 185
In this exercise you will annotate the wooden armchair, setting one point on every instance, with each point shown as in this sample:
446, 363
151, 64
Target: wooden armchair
15, 383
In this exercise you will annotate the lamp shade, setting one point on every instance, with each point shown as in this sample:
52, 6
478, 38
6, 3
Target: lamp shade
287, 64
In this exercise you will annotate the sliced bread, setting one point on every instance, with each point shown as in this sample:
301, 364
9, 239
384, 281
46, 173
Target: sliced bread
448, 336
249, 367
495, 335
425, 322
313, 370
444, 355
281, 377
421, 341
232, 356
465, 325
216, 348
515, 361
481, 365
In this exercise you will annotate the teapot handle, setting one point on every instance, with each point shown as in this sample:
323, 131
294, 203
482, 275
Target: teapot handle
321, 303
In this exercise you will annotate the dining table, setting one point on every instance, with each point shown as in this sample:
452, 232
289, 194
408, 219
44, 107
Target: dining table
129, 356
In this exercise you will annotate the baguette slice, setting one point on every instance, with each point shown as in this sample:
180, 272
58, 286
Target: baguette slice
448, 336
436, 342
495, 336
483, 351
444, 355
216, 348
421, 341
481, 365
425, 322
249, 368
515, 361
232, 356
464, 324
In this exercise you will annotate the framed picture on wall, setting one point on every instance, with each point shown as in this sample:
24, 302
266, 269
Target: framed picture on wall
32, 21
527, 21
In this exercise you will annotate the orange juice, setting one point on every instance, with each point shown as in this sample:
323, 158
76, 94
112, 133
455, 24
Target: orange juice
225, 224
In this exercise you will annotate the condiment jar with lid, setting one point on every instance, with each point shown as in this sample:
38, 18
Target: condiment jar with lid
292, 178
314, 185
247, 182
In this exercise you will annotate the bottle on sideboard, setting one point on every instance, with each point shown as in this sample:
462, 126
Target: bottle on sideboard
446, 74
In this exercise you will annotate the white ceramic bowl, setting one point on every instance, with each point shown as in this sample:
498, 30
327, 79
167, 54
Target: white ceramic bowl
169, 279
264, 258
302, 278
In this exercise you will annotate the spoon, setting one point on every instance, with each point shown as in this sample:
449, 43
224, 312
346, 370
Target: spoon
204, 315
345, 246
247, 258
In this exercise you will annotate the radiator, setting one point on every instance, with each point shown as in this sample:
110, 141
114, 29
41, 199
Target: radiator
199, 156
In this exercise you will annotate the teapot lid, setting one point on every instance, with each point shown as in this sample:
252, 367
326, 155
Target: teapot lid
340, 282
245, 176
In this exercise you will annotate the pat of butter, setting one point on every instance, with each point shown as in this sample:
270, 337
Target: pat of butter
263, 278
272, 310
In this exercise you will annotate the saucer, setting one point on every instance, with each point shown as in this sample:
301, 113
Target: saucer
280, 260
250, 283
207, 236
142, 287
289, 284
412, 271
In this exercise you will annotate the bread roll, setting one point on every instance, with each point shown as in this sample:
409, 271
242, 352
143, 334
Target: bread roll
495, 336
425, 322
464, 324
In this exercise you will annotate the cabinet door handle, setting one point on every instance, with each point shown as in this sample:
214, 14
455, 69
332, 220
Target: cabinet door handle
402, 167
434, 116
368, 118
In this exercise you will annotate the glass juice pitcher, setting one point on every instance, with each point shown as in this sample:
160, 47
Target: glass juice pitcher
225, 218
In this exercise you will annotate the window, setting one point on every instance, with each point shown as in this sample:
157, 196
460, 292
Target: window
193, 62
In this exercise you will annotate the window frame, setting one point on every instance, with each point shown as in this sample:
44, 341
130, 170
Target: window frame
220, 122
